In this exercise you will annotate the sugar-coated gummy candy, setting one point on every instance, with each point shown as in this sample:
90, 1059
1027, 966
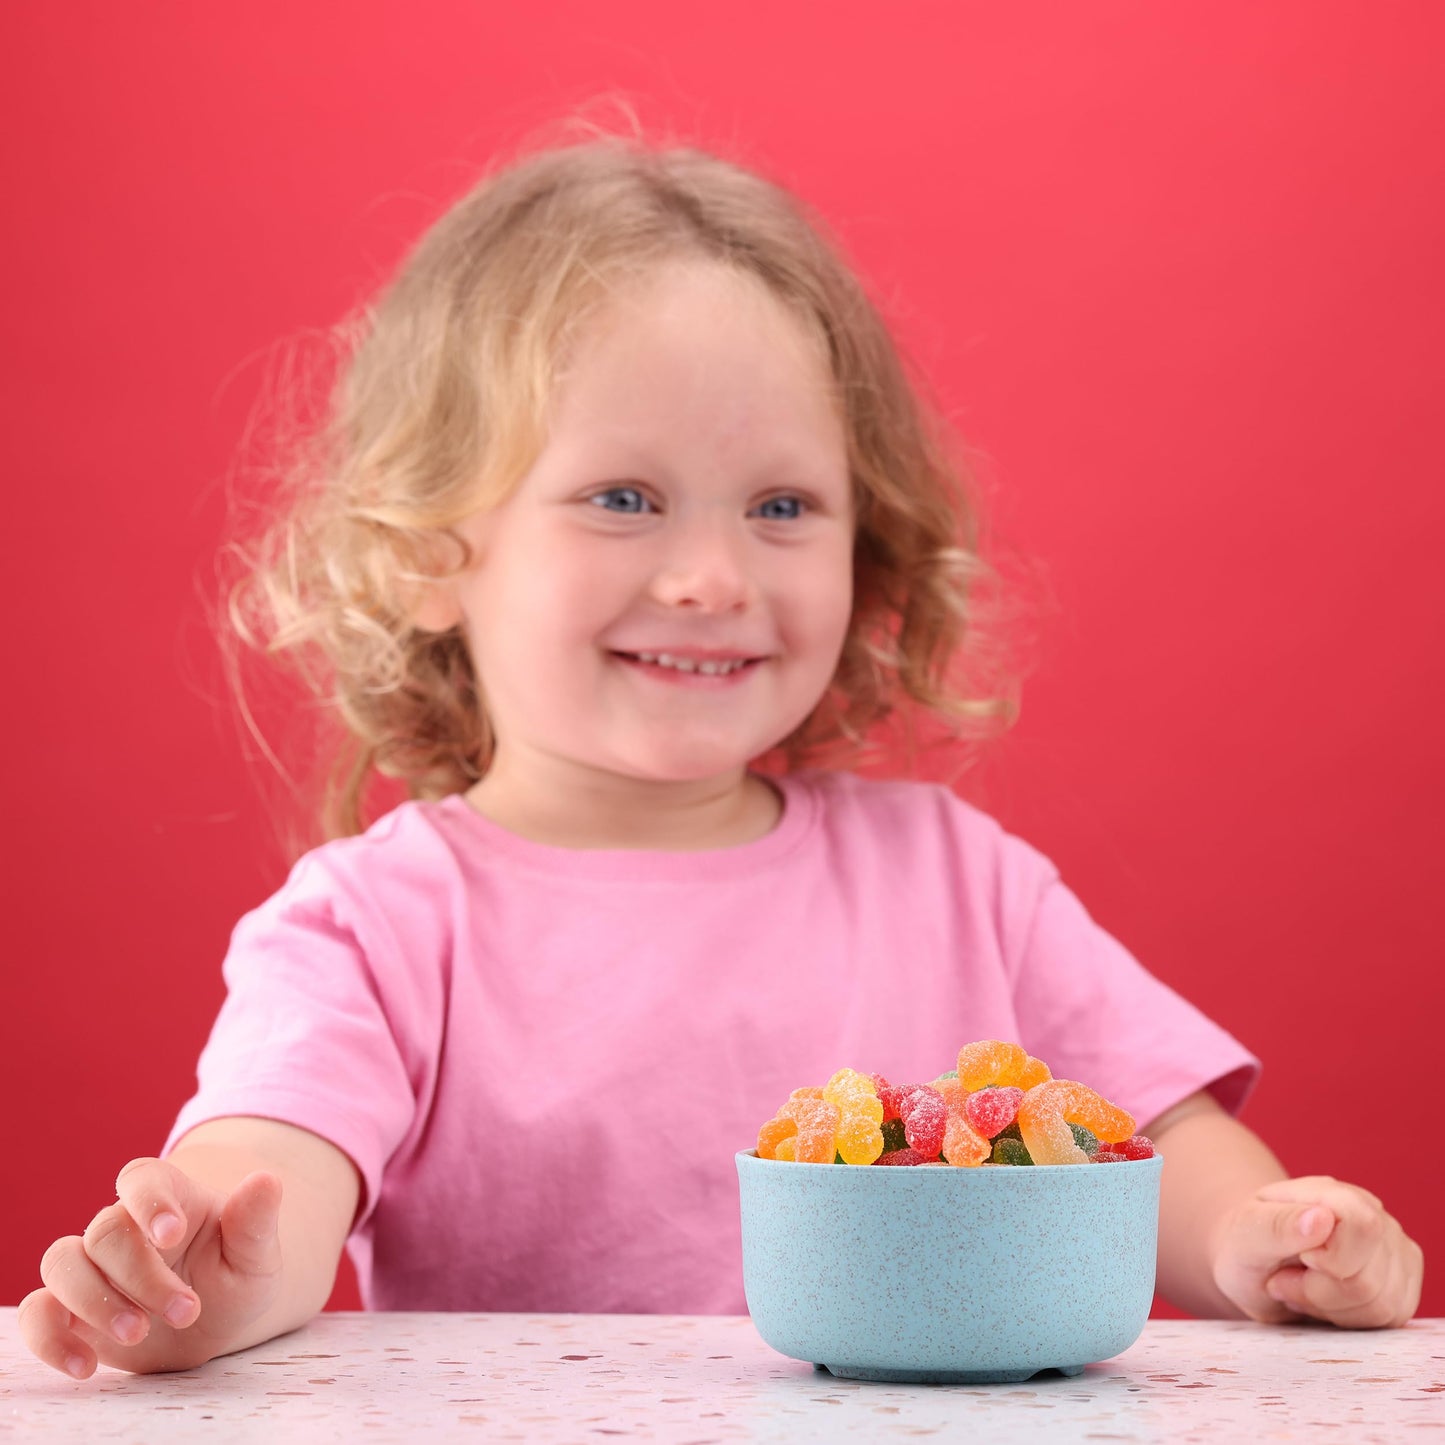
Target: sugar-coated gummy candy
1049, 1108
1001, 1107
1137, 1146
963, 1146
887, 1096
993, 1109
859, 1135
772, 1134
1010, 1151
814, 1143
993, 1061
953, 1094
925, 1118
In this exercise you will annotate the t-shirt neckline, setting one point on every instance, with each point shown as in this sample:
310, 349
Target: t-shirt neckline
645, 864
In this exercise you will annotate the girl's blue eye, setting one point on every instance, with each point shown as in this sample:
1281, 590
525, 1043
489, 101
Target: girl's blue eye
629, 501
632, 501
792, 508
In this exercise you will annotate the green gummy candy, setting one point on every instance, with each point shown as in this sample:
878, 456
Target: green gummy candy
1010, 1151
838, 1159
1085, 1140
1012, 1132
893, 1136
951, 1074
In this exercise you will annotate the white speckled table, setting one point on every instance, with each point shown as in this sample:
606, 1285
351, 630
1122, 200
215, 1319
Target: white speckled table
539, 1378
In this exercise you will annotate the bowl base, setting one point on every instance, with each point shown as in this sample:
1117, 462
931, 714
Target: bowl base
945, 1377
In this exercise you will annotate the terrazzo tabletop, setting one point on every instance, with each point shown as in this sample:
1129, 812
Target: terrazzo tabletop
703, 1379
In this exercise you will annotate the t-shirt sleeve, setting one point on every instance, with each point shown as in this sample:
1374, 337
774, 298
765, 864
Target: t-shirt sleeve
304, 1034
1094, 1013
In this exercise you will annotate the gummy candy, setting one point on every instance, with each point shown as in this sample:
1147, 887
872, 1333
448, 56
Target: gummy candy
817, 1130
992, 1061
1010, 1151
953, 1094
1001, 1107
888, 1095
1049, 1108
773, 1133
925, 1118
1137, 1147
860, 1113
963, 1145
993, 1109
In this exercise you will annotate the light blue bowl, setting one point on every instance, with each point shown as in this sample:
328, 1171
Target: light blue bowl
949, 1276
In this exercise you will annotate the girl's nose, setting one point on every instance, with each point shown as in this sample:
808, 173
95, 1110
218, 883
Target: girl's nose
705, 569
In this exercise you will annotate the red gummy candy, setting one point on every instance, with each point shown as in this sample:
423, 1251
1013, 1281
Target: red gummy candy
888, 1093
992, 1110
1139, 1147
901, 1156
1109, 1156
925, 1118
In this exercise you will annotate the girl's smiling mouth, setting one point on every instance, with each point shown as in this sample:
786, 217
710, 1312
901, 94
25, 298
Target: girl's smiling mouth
691, 669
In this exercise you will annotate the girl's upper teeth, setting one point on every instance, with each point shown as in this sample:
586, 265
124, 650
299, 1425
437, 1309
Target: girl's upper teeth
686, 664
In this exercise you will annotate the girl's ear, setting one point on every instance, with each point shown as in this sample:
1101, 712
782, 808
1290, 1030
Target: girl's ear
433, 598
434, 607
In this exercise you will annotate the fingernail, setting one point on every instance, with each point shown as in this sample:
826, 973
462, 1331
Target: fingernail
179, 1309
1309, 1221
127, 1327
165, 1229
75, 1365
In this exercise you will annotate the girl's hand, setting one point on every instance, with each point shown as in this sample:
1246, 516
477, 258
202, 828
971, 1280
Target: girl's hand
164, 1279
1317, 1246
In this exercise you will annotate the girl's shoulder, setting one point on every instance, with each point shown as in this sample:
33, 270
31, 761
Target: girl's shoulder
401, 848
903, 809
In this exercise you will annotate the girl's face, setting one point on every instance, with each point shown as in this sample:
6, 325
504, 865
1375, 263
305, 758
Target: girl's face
692, 503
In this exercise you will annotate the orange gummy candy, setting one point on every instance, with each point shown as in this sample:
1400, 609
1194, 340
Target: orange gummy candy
783, 1126
963, 1146
815, 1141
1049, 1108
991, 1061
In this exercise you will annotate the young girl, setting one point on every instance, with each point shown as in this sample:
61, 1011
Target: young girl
624, 492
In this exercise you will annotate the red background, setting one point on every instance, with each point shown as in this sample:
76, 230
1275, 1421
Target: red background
1176, 271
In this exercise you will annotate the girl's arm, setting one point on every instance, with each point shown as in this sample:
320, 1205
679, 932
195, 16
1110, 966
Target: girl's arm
230, 1240
1237, 1237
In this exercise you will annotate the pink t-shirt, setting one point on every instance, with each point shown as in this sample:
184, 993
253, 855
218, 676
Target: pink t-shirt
543, 1060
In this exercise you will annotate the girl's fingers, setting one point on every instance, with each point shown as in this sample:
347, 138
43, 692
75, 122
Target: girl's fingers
1317, 1186
89, 1295
48, 1331
251, 1225
121, 1253
1266, 1233
167, 1204
1384, 1292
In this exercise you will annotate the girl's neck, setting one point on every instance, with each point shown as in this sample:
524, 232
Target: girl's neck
588, 811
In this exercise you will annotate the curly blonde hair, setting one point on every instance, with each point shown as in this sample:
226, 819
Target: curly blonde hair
439, 407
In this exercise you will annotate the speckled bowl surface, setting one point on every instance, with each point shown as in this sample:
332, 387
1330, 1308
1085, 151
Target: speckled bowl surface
949, 1276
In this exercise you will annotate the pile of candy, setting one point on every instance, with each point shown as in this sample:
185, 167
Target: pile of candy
1001, 1106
